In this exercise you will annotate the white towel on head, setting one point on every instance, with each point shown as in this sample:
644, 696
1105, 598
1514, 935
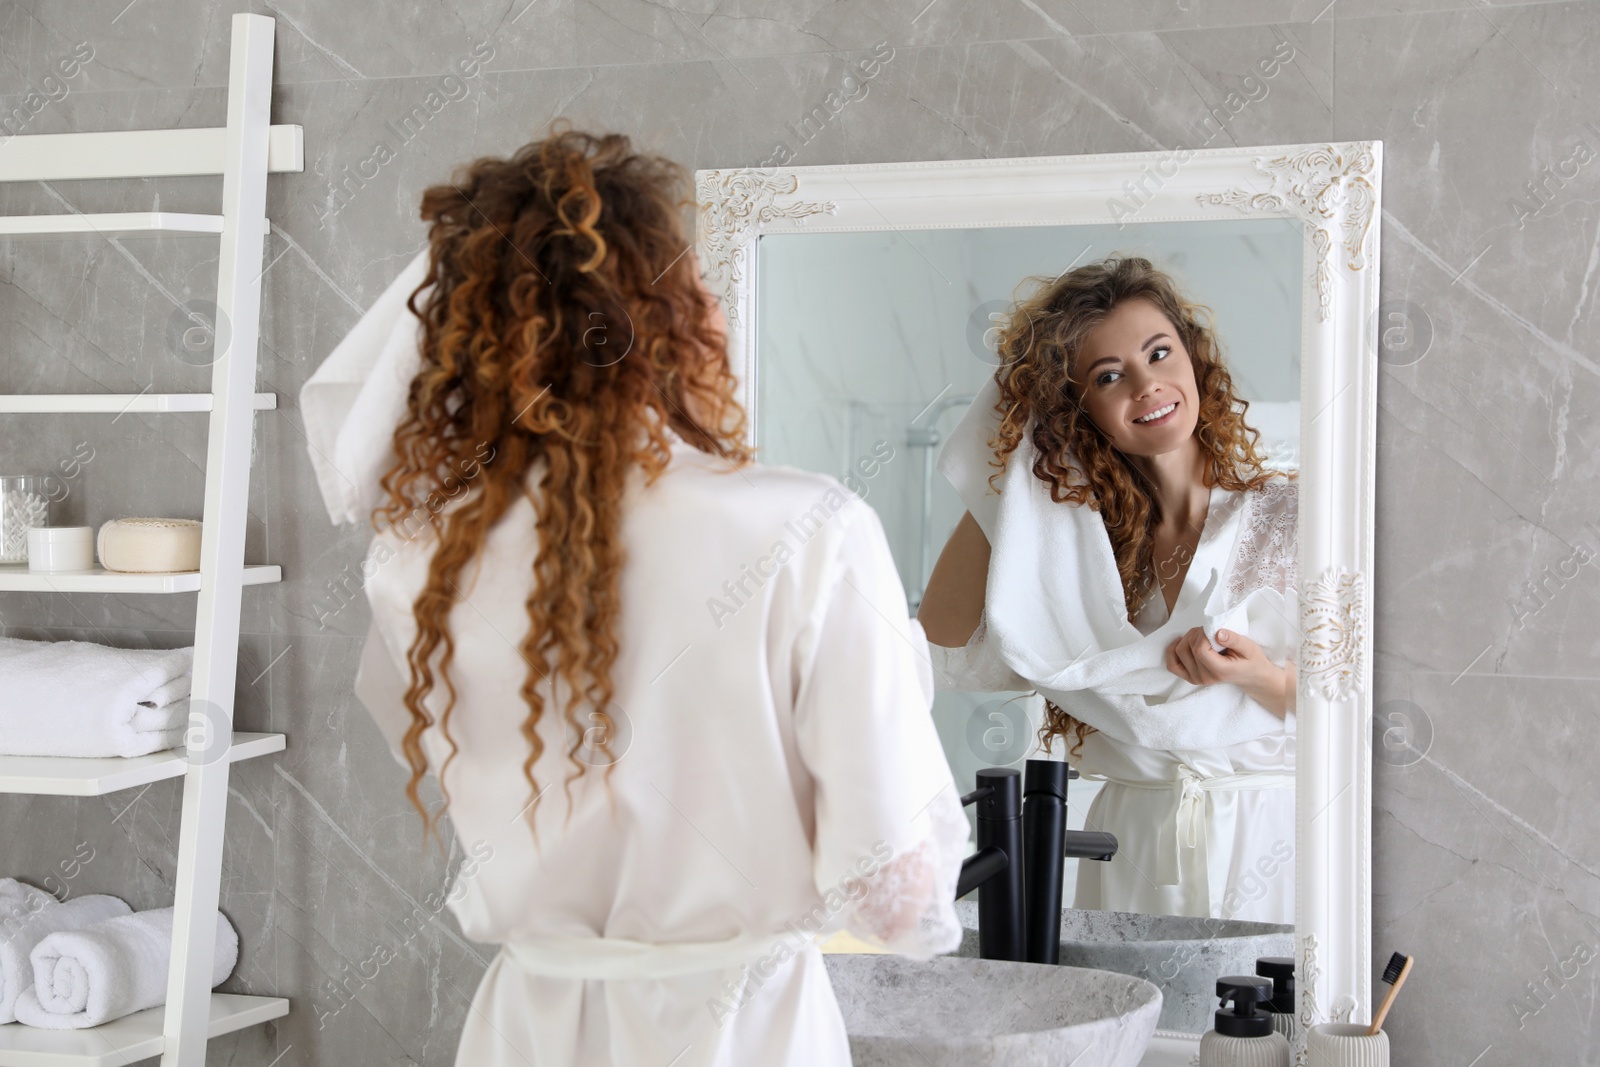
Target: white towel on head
1054, 604
74, 698
114, 968
21, 935
355, 399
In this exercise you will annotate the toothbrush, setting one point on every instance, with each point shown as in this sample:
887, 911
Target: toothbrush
1395, 975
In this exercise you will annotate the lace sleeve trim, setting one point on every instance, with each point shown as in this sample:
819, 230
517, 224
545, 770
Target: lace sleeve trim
976, 667
1266, 556
909, 903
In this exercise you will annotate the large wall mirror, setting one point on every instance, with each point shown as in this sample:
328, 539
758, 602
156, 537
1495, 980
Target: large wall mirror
885, 318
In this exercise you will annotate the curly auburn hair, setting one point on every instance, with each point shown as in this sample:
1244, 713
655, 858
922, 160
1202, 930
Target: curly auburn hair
1038, 342
562, 328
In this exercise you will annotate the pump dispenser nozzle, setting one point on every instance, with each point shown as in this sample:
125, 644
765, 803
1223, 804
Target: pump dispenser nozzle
1245, 993
1281, 970
1244, 1035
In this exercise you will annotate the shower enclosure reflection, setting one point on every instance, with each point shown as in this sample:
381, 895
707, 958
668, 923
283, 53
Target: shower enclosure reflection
926, 439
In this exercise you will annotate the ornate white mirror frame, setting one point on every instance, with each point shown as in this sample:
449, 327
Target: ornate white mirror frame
1333, 190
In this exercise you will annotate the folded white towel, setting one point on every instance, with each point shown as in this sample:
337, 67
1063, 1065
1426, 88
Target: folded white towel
20, 935
114, 968
74, 698
355, 399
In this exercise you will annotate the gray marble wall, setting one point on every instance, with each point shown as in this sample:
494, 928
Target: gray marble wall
1487, 865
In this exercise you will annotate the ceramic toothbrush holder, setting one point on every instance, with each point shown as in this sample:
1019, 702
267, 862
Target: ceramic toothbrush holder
1347, 1045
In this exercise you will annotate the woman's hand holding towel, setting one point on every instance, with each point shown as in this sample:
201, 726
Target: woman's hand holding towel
114, 968
24, 927
74, 698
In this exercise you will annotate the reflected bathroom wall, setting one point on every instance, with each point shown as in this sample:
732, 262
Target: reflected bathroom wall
871, 345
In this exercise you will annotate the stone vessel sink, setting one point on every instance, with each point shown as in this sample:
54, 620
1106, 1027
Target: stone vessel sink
1182, 955
966, 1012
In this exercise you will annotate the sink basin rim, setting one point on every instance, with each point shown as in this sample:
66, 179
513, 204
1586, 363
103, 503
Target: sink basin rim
1140, 998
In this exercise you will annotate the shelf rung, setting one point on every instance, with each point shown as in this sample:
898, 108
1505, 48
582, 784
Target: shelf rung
68, 776
114, 224
49, 157
17, 578
116, 403
129, 1039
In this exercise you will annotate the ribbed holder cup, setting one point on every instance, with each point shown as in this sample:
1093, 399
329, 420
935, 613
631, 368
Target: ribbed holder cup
1347, 1045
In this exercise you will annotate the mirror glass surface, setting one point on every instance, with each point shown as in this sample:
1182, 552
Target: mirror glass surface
870, 347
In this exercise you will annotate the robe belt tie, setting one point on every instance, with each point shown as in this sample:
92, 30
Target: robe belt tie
1182, 849
619, 958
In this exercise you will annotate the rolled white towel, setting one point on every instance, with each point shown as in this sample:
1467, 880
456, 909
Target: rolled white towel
75, 698
18, 901
23, 933
15, 894
114, 968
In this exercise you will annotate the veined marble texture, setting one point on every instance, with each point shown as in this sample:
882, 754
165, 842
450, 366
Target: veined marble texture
1487, 845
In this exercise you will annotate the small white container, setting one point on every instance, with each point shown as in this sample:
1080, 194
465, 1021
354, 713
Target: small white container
61, 548
1347, 1045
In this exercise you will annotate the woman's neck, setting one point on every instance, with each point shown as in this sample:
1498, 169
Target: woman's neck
1175, 481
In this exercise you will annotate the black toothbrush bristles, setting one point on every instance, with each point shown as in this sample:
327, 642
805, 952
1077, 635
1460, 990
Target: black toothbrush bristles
1394, 976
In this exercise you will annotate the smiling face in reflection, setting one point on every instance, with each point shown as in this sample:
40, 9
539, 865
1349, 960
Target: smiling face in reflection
1137, 380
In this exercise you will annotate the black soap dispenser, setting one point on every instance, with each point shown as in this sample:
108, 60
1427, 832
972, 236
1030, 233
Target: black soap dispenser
1281, 970
1243, 1036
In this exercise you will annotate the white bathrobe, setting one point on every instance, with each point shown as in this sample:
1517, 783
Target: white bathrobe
1198, 779
775, 745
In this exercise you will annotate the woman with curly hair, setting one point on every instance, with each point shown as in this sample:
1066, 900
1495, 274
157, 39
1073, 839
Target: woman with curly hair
1136, 567
671, 696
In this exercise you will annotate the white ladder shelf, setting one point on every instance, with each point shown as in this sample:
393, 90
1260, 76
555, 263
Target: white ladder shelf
242, 153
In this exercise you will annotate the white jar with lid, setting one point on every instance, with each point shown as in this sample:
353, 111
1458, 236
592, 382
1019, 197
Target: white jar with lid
61, 548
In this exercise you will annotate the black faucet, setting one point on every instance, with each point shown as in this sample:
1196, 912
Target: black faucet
997, 866
1022, 841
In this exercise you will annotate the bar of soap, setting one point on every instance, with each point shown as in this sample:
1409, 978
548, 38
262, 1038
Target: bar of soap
845, 941
149, 546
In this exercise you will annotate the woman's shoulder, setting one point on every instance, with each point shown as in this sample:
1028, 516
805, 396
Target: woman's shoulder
1281, 483
757, 492
1279, 495
1266, 553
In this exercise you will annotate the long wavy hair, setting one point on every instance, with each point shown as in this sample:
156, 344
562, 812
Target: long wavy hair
1039, 396
562, 328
